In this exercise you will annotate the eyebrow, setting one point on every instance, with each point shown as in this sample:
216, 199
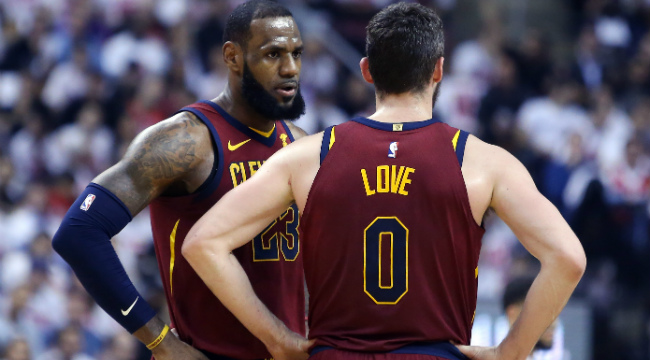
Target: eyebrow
281, 48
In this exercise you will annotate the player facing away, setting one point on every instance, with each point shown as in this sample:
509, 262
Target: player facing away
392, 207
180, 167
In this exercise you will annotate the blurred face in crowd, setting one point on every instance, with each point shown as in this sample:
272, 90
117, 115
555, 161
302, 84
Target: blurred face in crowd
70, 341
272, 63
18, 350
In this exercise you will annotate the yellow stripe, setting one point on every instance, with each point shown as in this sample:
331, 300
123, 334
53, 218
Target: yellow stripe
172, 242
454, 141
332, 139
265, 134
476, 273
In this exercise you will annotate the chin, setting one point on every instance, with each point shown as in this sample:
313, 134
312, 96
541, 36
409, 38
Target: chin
287, 102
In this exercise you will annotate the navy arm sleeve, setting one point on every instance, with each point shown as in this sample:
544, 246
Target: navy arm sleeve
84, 241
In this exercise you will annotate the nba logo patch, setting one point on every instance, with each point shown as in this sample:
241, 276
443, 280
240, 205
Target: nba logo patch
392, 149
89, 201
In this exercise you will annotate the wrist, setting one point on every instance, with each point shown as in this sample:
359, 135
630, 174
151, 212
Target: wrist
150, 331
275, 339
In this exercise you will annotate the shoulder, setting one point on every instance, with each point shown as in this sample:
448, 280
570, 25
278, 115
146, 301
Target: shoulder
488, 157
295, 130
177, 145
183, 124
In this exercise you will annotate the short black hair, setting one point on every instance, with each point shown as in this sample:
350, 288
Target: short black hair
238, 25
403, 43
516, 290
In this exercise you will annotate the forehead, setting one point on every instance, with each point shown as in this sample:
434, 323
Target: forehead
278, 31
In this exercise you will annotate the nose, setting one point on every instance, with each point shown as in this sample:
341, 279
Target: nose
290, 67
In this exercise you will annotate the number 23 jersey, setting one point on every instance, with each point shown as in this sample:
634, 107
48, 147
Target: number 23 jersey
389, 242
272, 259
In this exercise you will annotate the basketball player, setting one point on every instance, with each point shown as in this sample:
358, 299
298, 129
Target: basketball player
181, 167
392, 207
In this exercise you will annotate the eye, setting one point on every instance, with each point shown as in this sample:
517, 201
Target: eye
297, 54
273, 54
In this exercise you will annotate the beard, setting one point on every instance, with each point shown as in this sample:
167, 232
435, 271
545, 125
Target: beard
265, 104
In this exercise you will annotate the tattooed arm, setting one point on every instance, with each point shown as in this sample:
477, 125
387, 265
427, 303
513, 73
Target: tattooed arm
174, 156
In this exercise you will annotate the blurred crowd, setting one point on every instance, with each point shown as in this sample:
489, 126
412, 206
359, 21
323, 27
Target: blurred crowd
80, 78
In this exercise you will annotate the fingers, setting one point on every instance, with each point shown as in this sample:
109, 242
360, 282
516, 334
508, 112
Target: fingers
306, 344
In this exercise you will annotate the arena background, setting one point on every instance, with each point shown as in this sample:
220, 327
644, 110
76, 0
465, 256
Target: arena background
562, 84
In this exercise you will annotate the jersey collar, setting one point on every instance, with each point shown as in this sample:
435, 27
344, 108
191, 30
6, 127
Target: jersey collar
266, 140
395, 127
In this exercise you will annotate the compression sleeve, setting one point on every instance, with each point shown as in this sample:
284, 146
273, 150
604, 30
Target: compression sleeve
84, 241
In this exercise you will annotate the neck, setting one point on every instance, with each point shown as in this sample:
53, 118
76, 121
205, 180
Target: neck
234, 104
406, 107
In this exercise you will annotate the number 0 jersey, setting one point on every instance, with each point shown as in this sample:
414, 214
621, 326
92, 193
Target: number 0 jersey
390, 245
272, 260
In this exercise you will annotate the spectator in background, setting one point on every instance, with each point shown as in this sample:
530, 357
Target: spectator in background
68, 81
122, 347
499, 106
588, 66
17, 323
550, 344
140, 43
78, 310
535, 61
68, 346
83, 147
17, 350
612, 129
555, 128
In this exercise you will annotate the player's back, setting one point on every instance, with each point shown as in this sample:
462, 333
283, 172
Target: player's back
390, 244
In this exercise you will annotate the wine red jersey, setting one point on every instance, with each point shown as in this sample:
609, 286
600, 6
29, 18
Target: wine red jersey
389, 242
272, 260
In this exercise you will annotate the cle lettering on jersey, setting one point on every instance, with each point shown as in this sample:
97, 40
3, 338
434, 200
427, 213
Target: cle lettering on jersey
390, 179
243, 170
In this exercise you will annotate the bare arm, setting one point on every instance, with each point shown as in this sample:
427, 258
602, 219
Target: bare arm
165, 157
545, 234
244, 212
162, 156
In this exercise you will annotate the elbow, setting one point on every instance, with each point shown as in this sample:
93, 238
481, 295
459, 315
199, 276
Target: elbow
62, 244
191, 246
573, 264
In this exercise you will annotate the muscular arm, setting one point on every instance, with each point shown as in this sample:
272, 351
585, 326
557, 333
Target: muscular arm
244, 212
508, 189
165, 157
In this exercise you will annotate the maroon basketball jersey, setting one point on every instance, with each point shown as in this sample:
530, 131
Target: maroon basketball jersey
389, 242
272, 260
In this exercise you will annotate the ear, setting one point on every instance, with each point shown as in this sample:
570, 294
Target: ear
437, 71
233, 56
365, 70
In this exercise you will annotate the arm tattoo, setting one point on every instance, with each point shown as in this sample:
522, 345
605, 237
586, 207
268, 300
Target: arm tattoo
158, 157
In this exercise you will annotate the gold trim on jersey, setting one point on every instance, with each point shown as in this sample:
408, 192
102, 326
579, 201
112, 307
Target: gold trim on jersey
172, 257
454, 141
365, 263
264, 133
332, 139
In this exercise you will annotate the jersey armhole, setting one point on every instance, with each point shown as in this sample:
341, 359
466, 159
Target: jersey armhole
328, 141
213, 180
459, 141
